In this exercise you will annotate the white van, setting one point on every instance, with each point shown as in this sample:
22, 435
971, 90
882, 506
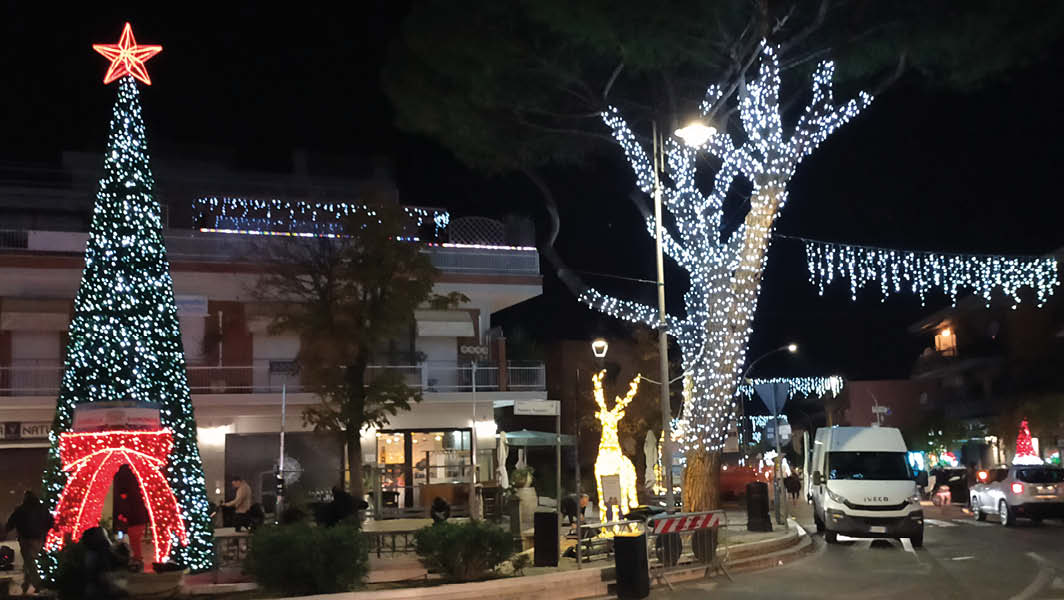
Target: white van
861, 485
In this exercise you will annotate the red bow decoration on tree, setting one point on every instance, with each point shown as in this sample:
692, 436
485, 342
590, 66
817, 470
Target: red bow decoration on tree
91, 461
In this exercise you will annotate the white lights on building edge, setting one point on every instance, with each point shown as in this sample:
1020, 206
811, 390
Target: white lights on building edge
724, 268
282, 216
899, 271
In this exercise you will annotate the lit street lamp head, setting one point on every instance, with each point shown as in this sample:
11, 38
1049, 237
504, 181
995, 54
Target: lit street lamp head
696, 133
792, 348
599, 348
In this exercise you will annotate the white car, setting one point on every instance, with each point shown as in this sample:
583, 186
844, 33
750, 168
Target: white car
1034, 492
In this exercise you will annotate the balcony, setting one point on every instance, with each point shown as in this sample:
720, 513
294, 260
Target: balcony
41, 378
234, 247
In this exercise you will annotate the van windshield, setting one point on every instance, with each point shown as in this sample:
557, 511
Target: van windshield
889, 466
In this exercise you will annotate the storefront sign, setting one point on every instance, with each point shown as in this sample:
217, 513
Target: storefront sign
538, 408
191, 306
112, 416
25, 431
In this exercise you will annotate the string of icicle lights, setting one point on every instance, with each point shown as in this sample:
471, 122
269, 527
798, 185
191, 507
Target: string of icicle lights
324, 218
724, 267
806, 386
899, 271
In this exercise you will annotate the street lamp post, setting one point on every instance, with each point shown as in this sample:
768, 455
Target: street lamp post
792, 348
694, 134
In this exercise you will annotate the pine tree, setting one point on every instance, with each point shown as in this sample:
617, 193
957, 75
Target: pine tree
125, 343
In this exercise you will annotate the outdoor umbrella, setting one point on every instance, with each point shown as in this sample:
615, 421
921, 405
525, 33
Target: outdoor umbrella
650, 451
500, 471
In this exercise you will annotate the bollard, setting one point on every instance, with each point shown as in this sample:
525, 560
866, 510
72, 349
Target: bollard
630, 559
757, 518
546, 539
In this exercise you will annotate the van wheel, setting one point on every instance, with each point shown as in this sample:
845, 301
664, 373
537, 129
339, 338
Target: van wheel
917, 540
819, 522
1005, 515
831, 537
976, 511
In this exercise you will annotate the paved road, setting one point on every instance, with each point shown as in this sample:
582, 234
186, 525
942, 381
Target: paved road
961, 558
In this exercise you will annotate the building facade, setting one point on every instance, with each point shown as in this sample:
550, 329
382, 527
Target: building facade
239, 372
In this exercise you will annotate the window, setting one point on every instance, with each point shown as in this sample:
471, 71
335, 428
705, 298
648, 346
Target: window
998, 475
1040, 475
946, 342
874, 466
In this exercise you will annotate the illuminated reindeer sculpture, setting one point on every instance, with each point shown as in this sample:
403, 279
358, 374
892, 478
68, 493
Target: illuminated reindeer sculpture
611, 461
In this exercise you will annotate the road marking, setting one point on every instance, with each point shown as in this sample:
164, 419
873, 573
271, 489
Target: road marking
907, 544
1040, 582
1058, 584
938, 523
962, 558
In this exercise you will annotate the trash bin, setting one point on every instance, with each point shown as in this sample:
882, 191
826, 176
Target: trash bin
546, 539
757, 518
630, 554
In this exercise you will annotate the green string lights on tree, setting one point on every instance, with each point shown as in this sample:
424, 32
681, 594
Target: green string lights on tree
125, 343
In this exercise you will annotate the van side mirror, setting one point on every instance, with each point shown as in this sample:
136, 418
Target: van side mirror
818, 479
921, 479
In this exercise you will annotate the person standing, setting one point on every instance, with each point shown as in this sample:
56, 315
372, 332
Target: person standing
32, 521
131, 511
241, 503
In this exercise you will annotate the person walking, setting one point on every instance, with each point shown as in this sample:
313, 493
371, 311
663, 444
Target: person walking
241, 503
132, 513
31, 520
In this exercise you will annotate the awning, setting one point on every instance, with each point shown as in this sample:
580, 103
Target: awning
444, 323
526, 438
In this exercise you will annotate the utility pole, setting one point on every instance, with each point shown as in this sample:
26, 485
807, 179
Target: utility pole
663, 334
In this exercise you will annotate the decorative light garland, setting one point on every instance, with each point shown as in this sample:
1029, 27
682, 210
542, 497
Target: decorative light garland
724, 269
91, 460
281, 217
922, 272
124, 341
611, 460
806, 386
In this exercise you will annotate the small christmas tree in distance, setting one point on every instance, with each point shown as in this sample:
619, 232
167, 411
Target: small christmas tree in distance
1024, 448
125, 343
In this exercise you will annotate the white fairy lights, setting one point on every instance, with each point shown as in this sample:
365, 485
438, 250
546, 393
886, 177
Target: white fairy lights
297, 218
125, 343
724, 268
922, 272
806, 386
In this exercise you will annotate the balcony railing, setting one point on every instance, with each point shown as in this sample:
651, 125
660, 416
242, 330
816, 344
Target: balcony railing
213, 246
41, 378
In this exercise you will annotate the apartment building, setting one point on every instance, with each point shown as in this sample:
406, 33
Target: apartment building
240, 373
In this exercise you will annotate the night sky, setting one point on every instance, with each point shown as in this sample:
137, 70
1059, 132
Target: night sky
921, 169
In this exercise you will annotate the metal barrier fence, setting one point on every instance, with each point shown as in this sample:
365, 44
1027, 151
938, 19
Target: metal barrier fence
680, 541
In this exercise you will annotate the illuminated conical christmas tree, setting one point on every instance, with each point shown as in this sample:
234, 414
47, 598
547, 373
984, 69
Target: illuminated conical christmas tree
125, 343
1025, 454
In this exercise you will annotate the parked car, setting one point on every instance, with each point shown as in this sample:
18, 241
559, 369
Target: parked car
862, 485
1034, 492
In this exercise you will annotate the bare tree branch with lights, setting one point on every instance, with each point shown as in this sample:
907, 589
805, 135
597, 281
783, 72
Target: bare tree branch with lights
724, 267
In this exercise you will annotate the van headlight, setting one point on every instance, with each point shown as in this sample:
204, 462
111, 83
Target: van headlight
914, 499
834, 496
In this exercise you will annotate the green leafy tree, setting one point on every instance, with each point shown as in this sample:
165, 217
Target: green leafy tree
525, 89
125, 343
346, 297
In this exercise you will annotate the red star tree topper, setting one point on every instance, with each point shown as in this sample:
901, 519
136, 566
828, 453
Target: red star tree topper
127, 58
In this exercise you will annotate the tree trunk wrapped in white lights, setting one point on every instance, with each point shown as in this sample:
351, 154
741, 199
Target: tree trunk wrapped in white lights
724, 268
